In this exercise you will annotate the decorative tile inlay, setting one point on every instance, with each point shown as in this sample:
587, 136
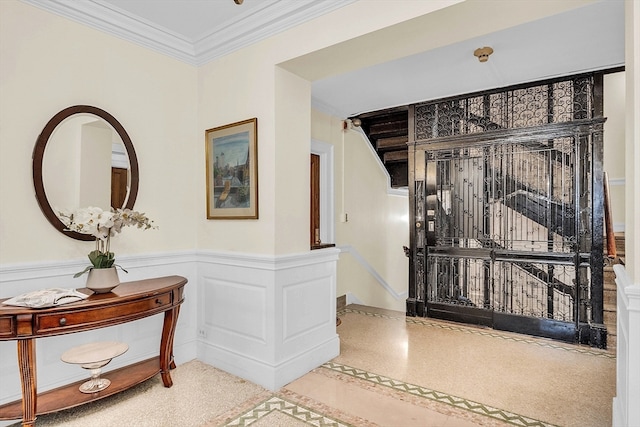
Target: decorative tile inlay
316, 418
294, 410
458, 402
492, 334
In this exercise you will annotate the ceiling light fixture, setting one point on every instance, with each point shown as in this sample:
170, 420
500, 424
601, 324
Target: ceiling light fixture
483, 53
238, 1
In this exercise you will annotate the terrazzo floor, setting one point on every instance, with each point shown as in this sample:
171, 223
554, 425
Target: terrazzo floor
392, 371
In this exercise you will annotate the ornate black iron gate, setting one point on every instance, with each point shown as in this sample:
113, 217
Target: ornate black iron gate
506, 198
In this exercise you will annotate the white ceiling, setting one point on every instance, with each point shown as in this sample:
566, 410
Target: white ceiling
588, 38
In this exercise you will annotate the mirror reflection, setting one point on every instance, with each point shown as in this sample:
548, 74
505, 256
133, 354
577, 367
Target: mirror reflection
96, 175
83, 157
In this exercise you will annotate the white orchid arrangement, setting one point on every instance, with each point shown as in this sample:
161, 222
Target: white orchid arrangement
102, 225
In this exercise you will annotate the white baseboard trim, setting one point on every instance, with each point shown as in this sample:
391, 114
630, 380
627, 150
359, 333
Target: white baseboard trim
618, 418
353, 299
271, 377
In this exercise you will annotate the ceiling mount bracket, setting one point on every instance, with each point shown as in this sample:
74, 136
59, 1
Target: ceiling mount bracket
483, 53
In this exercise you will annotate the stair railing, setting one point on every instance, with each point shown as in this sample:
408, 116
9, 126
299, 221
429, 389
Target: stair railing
608, 220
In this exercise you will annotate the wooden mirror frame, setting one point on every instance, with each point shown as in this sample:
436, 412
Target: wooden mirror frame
38, 158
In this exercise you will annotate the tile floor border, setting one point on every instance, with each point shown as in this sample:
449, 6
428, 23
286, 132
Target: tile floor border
276, 403
458, 402
493, 334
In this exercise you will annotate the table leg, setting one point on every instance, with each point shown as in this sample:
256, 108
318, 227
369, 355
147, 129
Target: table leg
27, 363
166, 345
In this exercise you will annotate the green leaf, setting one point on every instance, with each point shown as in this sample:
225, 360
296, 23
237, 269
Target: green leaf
121, 268
101, 259
82, 272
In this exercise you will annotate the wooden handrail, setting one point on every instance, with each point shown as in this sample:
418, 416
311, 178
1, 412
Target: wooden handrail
608, 220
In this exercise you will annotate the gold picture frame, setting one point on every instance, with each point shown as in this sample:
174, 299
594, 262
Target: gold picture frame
232, 170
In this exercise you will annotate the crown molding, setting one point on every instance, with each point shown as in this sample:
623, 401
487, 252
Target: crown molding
324, 107
260, 24
269, 18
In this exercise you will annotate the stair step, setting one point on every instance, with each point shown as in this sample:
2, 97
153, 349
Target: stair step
610, 297
610, 316
393, 143
396, 156
612, 341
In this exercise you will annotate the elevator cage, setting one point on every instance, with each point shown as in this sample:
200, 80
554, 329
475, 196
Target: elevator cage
506, 204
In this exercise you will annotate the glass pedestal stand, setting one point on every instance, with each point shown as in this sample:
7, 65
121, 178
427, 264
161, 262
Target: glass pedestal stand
94, 357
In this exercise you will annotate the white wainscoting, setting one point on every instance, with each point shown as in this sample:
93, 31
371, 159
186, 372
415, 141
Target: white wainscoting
267, 319
143, 336
626, 411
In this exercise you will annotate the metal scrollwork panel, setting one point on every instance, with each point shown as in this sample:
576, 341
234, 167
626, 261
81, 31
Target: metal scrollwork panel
550, 102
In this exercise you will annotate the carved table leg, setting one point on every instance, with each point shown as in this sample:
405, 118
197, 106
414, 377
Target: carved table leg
27, 363
166, 345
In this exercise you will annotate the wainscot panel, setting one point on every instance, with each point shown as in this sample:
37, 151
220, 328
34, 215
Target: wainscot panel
269, 320
626, 411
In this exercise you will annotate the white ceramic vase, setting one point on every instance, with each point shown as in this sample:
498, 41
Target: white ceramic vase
102, 280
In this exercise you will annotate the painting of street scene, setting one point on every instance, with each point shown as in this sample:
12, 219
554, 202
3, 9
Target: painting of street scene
231, 175
232, 180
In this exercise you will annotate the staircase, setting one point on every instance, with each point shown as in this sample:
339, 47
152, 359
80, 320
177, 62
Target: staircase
610, 294
388, 133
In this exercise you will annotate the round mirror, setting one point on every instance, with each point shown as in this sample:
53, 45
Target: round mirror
83, 157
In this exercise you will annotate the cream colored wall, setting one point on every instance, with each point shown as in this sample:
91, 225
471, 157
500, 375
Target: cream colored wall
249, 83
378, 222
293, 145
49, 63
234, 88
632, 139
614, 142
252, 83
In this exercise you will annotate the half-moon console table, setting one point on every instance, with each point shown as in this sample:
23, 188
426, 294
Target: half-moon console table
127, 302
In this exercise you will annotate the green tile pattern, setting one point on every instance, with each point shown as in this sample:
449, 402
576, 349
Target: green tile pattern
458, 402
294, 410
493, 334
310, 417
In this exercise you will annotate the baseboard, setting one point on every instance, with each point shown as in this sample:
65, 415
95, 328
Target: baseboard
618, 418
271, 377
353, 299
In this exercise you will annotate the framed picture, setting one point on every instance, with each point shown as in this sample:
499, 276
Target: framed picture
232, 170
